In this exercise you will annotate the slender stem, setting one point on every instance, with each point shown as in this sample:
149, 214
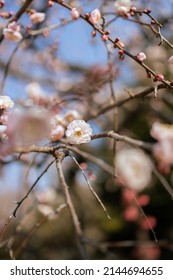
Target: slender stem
60, 155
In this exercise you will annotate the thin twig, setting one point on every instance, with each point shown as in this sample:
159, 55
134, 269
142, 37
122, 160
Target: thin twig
30, 190
91, 188
60, 155
33, 230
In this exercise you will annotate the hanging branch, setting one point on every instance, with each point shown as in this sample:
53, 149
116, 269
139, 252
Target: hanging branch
60, 155
91, 188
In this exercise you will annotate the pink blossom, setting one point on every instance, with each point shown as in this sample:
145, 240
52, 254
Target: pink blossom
12, 32
159, 77
128, 196
37, 17
143, 200
131, 213
95, 18
57, 133
75, 14
122, 7
148, 223
144, 252
141, 56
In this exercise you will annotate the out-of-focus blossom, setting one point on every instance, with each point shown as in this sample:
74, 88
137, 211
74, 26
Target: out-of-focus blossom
170, 60
28, 127
36, 93
71, 116
134, 168
78, 132
131, 213
150, 252
57, 133
162, 131
37, 17
143, 200
122, 7
3, 129
12, 32
75, 14
148, 223
163, 152
47, 196
47, 211
163, 149
95, 18
141, 56
6, 102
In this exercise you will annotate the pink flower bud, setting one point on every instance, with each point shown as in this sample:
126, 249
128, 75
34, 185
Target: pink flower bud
159, 77
141, 56
75, 14
104, 38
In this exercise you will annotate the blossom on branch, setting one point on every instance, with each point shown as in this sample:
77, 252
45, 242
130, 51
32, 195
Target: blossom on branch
12, 32
122, 7
95, 18
37, 17
141, 56
75, 14
78, 132
6, 102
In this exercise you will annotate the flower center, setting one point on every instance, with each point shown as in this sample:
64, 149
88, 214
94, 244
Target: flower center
78, 132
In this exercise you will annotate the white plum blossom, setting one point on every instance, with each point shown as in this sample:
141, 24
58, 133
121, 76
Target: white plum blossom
75, 14
78, 132
163, 149
122, 6
162, 131
6, 102
12, 32
141, 56
37, 17
133, 168
95, 18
